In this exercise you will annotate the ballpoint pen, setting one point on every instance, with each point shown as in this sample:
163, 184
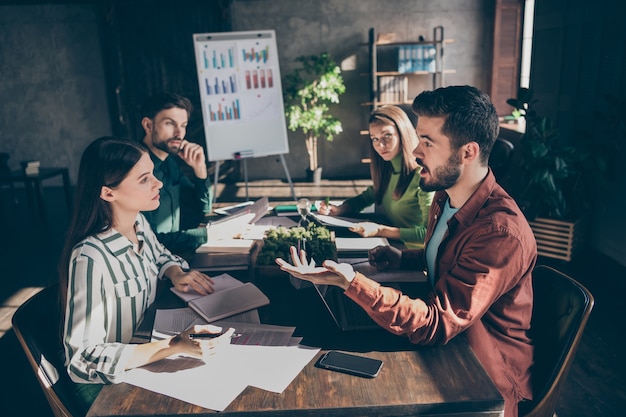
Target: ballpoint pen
194, 336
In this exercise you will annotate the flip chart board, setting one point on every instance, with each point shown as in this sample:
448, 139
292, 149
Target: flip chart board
241, 94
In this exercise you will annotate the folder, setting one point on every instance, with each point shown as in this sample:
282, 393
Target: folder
228, 302
227, 246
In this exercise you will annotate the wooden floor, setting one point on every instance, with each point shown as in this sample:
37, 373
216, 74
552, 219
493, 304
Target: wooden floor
29, 251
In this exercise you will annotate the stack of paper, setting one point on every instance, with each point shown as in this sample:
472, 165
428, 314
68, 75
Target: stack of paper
331, 221
31, 167
260, 355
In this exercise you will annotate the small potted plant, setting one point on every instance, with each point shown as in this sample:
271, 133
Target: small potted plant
318, 241
309, 90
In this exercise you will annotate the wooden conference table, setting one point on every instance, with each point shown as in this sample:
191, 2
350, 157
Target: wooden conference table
415, 380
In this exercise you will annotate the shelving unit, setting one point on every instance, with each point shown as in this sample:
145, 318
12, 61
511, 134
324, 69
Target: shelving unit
398, 70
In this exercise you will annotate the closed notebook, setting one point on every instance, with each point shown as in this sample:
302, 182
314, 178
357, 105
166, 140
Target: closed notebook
226, 246
358, 247
229, 302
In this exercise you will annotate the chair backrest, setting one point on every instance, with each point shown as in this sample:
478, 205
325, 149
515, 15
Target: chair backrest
561, 309
501, 157
36, 325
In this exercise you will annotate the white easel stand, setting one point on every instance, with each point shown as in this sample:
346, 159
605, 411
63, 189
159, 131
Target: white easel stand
245, 174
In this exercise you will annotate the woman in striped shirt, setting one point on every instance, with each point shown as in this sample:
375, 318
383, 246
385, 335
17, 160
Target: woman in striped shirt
109, 270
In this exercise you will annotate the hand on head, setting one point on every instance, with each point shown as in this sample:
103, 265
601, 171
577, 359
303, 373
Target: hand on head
193, 155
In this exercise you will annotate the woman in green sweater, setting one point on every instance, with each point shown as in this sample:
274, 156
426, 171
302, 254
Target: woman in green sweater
395, 190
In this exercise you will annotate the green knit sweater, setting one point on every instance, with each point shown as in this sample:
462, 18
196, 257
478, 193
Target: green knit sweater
409, 213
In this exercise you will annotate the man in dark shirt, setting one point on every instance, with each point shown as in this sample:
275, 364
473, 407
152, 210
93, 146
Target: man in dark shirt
164, 119
479, 249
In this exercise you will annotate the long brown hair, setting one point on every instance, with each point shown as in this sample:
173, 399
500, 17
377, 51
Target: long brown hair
106, 161
381, 170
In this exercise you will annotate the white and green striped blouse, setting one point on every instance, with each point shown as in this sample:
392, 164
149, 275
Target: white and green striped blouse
111, 284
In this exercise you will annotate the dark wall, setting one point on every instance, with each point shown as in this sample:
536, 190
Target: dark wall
53, 89
340, 28
55, 97
579, 58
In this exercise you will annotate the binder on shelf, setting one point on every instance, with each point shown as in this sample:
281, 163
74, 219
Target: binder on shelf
393, 89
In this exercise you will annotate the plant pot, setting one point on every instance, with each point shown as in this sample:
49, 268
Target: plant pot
314, 176
557, 239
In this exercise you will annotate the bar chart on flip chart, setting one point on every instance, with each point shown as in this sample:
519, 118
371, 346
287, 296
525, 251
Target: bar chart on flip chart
241, 94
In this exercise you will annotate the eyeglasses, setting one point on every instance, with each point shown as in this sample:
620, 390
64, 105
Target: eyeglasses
386, 139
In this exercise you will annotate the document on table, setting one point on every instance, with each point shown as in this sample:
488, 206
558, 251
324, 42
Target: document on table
214, 384
170, 322
261, 355
333, 221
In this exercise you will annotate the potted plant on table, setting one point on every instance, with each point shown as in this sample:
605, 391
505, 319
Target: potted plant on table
556, 181
309, 90
316, 240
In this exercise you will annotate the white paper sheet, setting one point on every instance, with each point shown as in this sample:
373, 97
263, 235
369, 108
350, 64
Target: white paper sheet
332, 221
216, 383
172, 321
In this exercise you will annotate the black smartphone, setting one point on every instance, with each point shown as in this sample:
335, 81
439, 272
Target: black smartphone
350, 364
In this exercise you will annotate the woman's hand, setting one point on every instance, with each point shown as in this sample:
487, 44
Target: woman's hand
366, 229
190, 281
328, 209
198, 346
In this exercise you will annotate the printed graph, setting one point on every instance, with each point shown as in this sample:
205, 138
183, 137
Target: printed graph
220, 85
221, 111
256, 55
259, 79
218, 58
241, 94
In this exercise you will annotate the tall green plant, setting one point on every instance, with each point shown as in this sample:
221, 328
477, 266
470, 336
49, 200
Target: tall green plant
309, 90
555, 179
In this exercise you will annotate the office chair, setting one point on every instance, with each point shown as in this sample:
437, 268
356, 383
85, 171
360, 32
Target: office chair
36, 324
501, 157
561, 309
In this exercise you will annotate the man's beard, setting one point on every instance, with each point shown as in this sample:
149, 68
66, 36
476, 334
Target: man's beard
165, 145
444, 177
